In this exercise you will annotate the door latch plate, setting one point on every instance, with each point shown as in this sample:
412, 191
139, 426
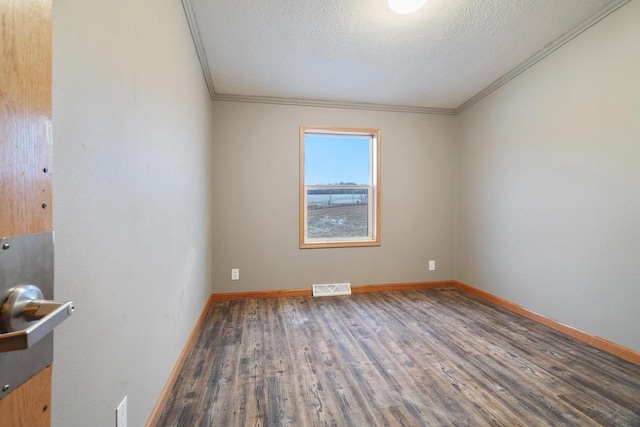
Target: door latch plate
26, 259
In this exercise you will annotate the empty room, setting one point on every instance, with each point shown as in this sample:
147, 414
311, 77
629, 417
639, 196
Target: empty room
356, 213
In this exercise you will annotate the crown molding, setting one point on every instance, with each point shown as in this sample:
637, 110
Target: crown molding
331, 104
514, 72
197, 41
544, 52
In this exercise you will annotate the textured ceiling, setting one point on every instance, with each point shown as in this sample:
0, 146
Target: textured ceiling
359, 51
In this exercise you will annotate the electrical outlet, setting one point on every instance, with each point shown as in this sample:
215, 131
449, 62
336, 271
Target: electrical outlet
235, 274
432, 265
121, 413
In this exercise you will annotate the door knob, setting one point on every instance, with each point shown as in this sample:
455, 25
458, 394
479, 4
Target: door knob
26, 317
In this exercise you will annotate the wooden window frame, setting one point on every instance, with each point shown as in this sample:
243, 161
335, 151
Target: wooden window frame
374, 199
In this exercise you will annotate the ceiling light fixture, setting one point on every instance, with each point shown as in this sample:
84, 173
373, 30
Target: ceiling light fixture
405, 7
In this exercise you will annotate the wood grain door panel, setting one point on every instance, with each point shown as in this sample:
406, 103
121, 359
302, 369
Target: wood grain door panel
25, 162
25, 117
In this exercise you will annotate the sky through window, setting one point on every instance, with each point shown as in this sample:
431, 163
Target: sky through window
332, 159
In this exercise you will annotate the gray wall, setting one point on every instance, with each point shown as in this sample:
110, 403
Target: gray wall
132, 187
548, 184
255, 192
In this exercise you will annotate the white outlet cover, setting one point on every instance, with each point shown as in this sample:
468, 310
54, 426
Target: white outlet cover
121, 413
432, 265
235, 274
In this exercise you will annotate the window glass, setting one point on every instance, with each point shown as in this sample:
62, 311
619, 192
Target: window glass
339, 189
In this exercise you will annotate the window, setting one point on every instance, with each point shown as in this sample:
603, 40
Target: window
339, 187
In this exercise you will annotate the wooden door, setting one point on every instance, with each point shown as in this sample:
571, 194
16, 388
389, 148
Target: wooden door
25, 162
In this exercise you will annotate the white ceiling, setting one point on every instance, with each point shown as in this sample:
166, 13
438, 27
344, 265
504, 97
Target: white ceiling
358, 51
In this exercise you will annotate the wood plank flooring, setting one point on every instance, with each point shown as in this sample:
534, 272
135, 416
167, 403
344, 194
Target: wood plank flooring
436, 357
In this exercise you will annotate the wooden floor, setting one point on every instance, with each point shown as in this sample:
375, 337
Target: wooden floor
414, 358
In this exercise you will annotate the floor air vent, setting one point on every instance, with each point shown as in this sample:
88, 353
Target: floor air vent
332, 289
